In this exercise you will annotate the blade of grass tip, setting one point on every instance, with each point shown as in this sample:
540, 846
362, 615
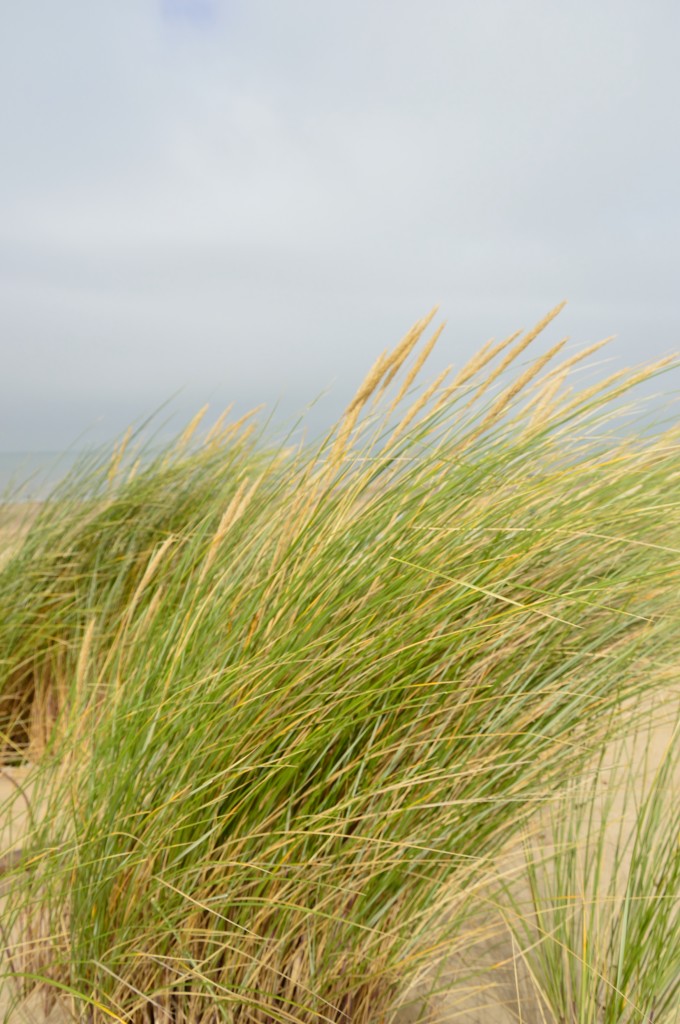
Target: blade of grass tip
118, 453
417, 406
385, 368
548, 386
233, 429
488, 352
523, 343
544, 404
190, 429
572, 361
237, 506
403, 350
605, 393
351, 415
149, 572
341, 444
423, 356
370, 381
134, 470
215, 431
521, 382
506, 397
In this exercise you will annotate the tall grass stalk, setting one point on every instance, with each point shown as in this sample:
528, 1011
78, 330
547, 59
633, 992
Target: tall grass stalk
287, 703
601, 927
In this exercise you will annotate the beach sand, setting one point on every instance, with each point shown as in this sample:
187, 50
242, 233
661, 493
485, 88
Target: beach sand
16, 807
15, 522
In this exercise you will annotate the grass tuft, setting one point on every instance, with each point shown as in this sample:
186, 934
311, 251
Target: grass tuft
288, 705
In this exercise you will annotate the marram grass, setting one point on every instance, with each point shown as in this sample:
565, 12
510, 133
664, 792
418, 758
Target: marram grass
288, 703
599, 933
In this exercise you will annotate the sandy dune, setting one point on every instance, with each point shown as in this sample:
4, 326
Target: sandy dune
16, 807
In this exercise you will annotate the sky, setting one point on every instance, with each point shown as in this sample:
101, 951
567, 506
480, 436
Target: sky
248, 200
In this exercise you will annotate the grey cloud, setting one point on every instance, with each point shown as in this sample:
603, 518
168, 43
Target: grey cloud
256, 205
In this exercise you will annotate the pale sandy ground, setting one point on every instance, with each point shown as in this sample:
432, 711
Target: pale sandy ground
501, 993
15, 520
489, 983
16, 807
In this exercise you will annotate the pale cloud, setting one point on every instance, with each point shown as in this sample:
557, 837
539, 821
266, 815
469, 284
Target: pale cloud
196, 12
250, 200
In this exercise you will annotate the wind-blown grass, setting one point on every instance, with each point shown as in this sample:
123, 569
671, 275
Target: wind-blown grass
289, 702
601, 929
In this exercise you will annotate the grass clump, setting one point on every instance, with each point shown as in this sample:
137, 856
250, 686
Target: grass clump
599, 922
288, 703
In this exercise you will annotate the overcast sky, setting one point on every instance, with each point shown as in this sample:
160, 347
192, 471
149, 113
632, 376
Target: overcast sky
249, 199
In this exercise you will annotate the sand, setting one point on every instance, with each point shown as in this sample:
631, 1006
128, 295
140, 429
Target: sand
15, 521
15, 797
